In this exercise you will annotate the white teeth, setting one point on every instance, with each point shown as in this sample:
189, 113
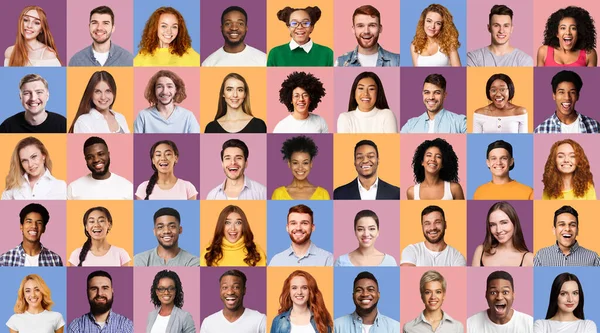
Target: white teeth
365, 301
33, 233
364, 167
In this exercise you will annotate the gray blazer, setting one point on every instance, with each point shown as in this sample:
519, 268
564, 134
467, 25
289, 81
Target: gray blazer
180, 322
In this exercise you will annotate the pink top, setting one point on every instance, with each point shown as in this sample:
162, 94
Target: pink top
115, 256
580, 62
181, 191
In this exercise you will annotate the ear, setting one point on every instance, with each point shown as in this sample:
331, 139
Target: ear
489, 28
312, 228
512, 161
180, 230
289, 164
380, 28
554, 95
487, 162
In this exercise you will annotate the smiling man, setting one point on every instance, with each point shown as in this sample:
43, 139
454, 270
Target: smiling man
566, 251
500, 317
234, 318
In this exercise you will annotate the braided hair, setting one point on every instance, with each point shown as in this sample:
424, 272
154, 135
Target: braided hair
88, 243
154, 178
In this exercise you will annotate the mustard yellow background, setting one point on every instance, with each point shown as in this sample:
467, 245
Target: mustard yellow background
543, 222
56, 144
211, 79
121, 233
277, 275
78, 78
455, 211
278, 33
477, 77
343, 157
256, 212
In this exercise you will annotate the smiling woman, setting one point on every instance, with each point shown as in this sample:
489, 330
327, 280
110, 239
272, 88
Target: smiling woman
166, 295
501, 115
567, 173
436, 39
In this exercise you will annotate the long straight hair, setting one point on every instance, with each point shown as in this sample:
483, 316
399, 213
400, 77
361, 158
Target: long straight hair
222, 106
555, 291
87, 102
490, 243
20, 54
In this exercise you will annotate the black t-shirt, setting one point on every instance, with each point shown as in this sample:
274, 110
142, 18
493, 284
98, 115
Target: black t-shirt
54, 123
255, 125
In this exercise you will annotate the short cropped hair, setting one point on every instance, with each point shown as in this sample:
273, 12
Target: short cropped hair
431, 276
367, 10
301, 209
234, 9
235, 143
235, 272
567, 76
167, 211
366, 143
103, 10
430, 209
436, 79
35, 208
366, 275
500, 275
32, 78
500, 10
566, 209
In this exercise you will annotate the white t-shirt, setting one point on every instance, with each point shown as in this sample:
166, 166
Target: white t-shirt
43, 322
32, 261
302, 328
431, 128
160, 324
481, 323
251, 321
374, 121
101, 57
368, 60
313, 124
88, 188
248, 57
553, 326
571, 128
419, 255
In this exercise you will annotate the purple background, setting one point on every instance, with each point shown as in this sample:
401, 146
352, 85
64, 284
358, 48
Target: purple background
476, 220
256, 289
411, 81
77, 301
280, 174
210, 25
476, 282
187, 167
56, 13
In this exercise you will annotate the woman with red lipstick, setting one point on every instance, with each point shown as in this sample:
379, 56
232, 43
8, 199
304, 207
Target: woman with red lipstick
501, 115
569, 39
436, 39
567, 174
565, 308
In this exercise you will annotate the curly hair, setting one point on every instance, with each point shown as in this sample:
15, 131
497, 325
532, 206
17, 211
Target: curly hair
20, 54
586, 31
87, 100
311, 84
313, 12
449, 171
518, 241
222, 105
154, 178
380, 100
582, 177
448, 35
214, 252
316, 304
21, 305
299, 144
150, 94
88, 243
149, 42
167, 274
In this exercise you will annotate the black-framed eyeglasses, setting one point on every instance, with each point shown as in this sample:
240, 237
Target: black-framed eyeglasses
296, 24
162, 290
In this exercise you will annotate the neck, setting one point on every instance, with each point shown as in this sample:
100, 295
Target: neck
565, 249
34, 44
104, 112
506, 246
300, 116
361, 110
33, 179
366, 250
432, 316
368, 317
234, 114
502, 321
168, 253
368, 51
233, 315
237, 48
235, 183
166, 178
31, 248
37, 119
300, 250
300, 183
567, 119
300, 309
101, 47
500, 49
35, 309
367, 182
432, 114
166, 309
436, 247
431, 179
165, 110
564, 316
163, 45
504, 179
567, 181
101, 177
99, 244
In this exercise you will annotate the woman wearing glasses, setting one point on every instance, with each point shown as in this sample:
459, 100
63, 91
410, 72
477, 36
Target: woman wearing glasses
167, 296
500, 115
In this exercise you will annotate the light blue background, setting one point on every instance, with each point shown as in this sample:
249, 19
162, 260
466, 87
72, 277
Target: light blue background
144, 210
476, 163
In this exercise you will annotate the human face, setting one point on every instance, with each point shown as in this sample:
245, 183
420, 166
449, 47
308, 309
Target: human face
433, 296
33, 294
566, 162
366, 94
300, 101
168, 27
299, 291
97, 159
32, 227
434, 227
300, 226
500, 297
366, 161
97, 225
500, 28
366, 232
166, 291
234, 93
165, 90
433, 97
103, 96
232, 292
300, 163
234, 163
164, 158
366, 30
432, 160
433, 24
566, 230
32, 25
567, 33
565, 98
34, 97
233, 227
234, 28
101, 28
100, 294
167, 230
366, 295
499, 93
568, 297
501, 227
32, 161
499, 162
300, 34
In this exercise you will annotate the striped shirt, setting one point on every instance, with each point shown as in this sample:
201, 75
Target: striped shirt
16, 257
578, 256
115, 323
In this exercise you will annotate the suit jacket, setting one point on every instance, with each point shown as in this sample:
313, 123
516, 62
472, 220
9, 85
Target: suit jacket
350, 191
181, 321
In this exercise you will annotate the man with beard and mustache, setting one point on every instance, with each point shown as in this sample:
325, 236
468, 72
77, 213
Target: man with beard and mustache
433, 251
167, 228
102, 52
100, 318
100, 184
302, 252
234, 26
366, 317
366, 24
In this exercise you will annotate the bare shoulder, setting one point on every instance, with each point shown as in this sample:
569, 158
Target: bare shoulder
519, 110
528, 260
457, 191
410, 193
49, 54
8, 51
541, 55
482, 110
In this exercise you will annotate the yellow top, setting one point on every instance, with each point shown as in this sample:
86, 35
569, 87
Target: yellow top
163, 57
512, 190
234, 254
281, 193
590, 194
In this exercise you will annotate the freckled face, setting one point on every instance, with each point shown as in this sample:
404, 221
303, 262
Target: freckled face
168, 27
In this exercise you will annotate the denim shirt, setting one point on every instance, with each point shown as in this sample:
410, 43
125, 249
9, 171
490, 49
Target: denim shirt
281, 323
384, 59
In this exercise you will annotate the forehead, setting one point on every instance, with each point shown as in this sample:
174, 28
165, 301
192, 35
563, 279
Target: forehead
164, 80
433, 216
300, 155
231, 279
163, 147
499, 284
367, 81
433, 285
365, 149
498, 215
233, 82
234, 15
33, 85
99, 281
565, 148
166, 219
298, 90
233, 151
567, 21
299, 217
566, 85
365, 221
569, 285
433, 149
498, 152
298, 281
96, 214
299, 15
233, 216
498, 82
33, 216
431, 86
166, 281
29, 150
168, 18
566, 217
33, 13
95, 148
100, 17
365, 283
433, 16
31, 284
500, 19
365, 19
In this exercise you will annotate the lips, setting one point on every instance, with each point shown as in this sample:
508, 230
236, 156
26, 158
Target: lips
99, 166
500, 308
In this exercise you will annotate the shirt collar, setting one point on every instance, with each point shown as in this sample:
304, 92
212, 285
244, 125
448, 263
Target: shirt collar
97, 115
46, 175
445, 317
246, 184
22, 251
438, 116
573, 248
557, 121
311, 250
374, 186
306, 47
356, 317
93, 319
380, 54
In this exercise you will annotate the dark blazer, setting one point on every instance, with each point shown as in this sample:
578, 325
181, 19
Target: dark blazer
350, 191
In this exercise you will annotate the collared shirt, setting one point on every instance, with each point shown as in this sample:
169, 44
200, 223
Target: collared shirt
352, 323
306, 47
115, 323
117, 56
578, 256
421, 325
94, 122
445, 122
313, 257
16, 257
251, 190
371, 193
46, 188
553, 125
384, 58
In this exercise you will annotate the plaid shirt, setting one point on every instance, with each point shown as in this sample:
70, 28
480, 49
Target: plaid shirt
552, 125
16, 257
